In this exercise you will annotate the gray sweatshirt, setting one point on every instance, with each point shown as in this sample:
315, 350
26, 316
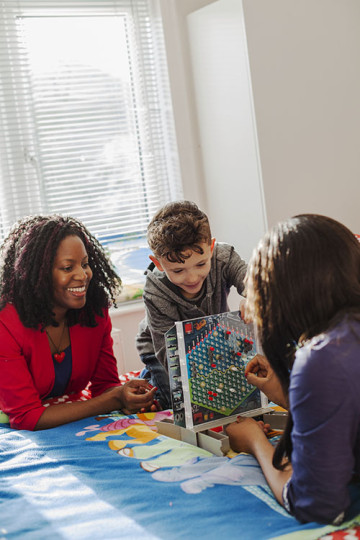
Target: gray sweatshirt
164, 303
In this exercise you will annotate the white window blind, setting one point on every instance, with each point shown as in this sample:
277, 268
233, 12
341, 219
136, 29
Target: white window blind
86, 120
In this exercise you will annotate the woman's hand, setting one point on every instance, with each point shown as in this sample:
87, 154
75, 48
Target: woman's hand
246, 434
135, 395
259, 373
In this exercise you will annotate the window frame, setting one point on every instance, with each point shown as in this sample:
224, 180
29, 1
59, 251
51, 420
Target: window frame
27, 157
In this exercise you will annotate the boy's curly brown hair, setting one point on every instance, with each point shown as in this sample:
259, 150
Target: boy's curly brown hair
176, 228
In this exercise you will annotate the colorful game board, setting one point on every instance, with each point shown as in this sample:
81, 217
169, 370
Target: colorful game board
206, 361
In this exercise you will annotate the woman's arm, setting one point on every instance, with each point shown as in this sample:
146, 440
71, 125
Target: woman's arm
20, 397
109, 395
133, 396
245, 435
324, 394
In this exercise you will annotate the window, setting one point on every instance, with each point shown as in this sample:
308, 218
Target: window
87, 127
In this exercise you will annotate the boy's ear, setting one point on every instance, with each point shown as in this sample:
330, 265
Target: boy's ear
212, 245
156, 262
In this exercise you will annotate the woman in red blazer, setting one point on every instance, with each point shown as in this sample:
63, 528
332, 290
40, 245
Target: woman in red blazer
56, 285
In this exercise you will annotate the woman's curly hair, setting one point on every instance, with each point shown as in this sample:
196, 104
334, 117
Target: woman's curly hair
26, 262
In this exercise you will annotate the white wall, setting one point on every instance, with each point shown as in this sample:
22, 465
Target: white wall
223, 97
305, 69
174, 13
304, 89
287, 135
125, 321
214, 120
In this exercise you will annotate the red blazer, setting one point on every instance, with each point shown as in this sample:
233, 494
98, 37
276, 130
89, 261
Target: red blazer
27, 372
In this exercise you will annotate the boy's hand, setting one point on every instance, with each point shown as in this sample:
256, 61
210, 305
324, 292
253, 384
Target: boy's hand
243, 312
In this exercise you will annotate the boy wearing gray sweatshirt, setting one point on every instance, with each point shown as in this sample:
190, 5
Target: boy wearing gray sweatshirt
190, 276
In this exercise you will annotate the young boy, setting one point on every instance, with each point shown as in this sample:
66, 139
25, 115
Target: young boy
190, 276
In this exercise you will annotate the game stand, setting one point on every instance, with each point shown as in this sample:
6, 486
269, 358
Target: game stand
206, 358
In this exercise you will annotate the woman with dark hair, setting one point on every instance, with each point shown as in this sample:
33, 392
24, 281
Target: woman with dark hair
303, 294
56, 286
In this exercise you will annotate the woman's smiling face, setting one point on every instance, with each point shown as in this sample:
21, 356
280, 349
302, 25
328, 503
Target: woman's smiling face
71, 275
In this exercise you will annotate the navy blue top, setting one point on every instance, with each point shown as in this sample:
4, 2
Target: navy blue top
62, 374
324, 399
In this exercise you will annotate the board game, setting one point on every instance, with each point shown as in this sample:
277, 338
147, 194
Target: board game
206, 362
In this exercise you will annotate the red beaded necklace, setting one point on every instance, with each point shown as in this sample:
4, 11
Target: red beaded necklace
59, 356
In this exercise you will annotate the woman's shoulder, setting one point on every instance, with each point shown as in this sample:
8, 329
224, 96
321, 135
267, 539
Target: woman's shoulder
11, 326
104, 317
326, 378
9, 315
101, 319
329, 351
346, 332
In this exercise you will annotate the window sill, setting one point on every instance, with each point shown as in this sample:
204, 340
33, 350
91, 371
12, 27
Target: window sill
127, 307
130, 293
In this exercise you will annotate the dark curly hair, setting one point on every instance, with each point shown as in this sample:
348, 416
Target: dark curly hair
178, 227
26, 261
303, 278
